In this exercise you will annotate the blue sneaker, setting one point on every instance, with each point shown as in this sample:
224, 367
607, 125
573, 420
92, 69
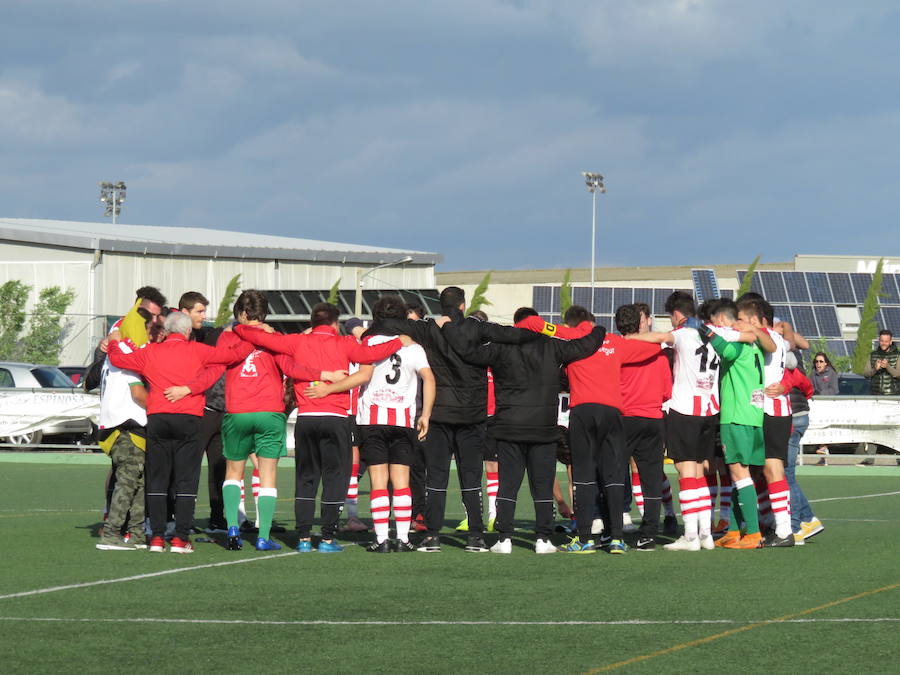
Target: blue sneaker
267, 545
617, 546
304, 546
234, 542
574, 545
333, 547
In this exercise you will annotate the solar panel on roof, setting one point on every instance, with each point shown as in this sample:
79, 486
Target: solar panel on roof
891, 319
622, 296
607, 322
805, 321
727, 293
889, 289
660, 295
773, 284
755, 284
603, 300
795, 283
836, 347
706, 286
826, 317
819, 290
861, 283
644, 295
581, 295
542, 298
783, 313
841, 288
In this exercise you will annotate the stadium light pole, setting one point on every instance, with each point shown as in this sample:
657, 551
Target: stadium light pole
113, 195
357, 304
594, 183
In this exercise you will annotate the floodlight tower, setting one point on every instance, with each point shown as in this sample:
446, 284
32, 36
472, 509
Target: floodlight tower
113, 195
360, 276
594, 182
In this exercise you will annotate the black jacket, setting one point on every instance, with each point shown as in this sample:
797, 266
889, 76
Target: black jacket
527, 383
461, 395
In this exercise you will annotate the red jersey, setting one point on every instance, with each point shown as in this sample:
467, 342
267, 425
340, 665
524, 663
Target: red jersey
322, 349
646, 386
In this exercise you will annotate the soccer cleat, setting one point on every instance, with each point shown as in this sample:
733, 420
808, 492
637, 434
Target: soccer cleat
628, 526
721, 526
249, 527
354, 524
234, 542
278, 529
542, 546
216, 526
179, 545
574, 545
404, 547
267, 545
330, 547
772, 540
502, 546
379, 547
475, 544
419, 523
114, 543
463, 525
597, 526
683, 544
604, 540
617, 546
798, 539
157, 545
748, 541
707, 543
430, 545
490, 524
730, 537
812, 528
645, 544
304, 546
670, 526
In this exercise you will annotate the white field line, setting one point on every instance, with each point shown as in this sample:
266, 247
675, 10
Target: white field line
840, 499
321, 622
138, 577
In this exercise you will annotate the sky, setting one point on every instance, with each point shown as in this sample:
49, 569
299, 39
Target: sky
724, 130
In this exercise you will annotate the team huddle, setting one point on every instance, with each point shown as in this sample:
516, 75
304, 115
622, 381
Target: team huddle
403, 396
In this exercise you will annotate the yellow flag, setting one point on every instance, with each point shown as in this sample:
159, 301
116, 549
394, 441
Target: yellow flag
133, 326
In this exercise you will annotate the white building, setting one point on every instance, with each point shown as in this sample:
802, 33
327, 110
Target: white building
105, 263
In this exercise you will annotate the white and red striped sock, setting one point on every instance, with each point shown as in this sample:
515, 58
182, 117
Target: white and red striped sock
402, 504
351, 501
242, 506
380, 506
725, 498
688, 498
254, 486
712, 482
704, 506
668, 507
780, 497
764, 504
493, 484
637, 491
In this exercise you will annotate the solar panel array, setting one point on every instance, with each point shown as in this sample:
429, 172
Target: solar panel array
810, 300
545, 299
706, 286
294, 306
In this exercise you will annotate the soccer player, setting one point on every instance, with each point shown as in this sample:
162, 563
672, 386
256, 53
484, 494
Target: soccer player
524, 427
741, 419
322, 432
387, 424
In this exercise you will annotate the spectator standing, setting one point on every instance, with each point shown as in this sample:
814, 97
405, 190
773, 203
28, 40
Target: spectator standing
884, 366
824, 377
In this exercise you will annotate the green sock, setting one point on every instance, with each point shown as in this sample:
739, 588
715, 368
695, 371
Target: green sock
736, 517
266, 507
231, 495
747, 501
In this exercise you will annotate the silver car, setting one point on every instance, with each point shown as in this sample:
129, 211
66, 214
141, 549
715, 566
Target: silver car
32, 376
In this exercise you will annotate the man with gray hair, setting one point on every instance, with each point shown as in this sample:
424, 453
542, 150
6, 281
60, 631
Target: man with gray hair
172, 427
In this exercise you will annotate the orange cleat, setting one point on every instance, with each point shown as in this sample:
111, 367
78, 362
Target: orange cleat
730, 537
746, 542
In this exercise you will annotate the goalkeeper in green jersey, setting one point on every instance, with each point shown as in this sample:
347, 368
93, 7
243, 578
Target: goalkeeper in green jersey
741, 393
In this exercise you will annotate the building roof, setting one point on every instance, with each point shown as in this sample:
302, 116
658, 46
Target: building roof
198, 242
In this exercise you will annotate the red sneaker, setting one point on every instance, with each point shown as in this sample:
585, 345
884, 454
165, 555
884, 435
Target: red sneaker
178, 545
157, 545
419, 523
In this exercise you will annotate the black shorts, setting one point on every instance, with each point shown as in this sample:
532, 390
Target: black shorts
777, 433
354, 431
690, 438
719, 452
385, 444
489, 449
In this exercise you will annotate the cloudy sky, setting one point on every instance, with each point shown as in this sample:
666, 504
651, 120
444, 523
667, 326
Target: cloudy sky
724, 129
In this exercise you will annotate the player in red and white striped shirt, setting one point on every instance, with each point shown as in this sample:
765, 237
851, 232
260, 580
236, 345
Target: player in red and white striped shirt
387, 425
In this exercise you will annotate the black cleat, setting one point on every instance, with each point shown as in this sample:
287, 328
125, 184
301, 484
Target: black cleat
670, 526
280, 529
234, 544
475, 544
772, 540
216, 526
404, 547
379, 547
430, 545
645, 544
249, 527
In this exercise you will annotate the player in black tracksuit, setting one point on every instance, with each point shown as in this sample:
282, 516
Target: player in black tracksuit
460, 410
526, 387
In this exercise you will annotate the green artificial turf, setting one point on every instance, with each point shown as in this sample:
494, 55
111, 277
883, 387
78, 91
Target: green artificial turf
49, 516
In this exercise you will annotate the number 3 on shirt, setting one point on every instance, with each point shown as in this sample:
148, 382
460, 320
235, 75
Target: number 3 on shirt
393, 377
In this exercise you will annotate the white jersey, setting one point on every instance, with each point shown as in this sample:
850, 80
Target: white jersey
773, 372
695, 388
116, 404
390, 396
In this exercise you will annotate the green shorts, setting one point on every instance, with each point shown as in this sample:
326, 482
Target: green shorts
743, 444
264, 433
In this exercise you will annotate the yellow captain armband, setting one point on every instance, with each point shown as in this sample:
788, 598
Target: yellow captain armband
549, 329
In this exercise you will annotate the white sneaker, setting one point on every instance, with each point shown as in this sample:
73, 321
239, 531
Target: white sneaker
683, 544
707, 543
502, 546
627, 525
597, 526
544, 546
